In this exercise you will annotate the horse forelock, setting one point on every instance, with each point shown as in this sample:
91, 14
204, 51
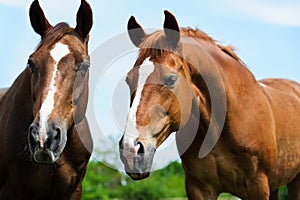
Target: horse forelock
54, 34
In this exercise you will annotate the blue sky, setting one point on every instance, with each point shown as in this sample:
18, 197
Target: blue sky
266, 34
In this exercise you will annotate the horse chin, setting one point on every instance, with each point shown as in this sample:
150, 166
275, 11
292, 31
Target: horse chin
45, 156
138, 176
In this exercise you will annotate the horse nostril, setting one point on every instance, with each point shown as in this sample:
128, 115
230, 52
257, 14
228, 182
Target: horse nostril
121, 147
33, 135
58, 134
141, 150
33, 130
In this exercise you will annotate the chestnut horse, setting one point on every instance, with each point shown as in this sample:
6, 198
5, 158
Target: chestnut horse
179, 83
44, 138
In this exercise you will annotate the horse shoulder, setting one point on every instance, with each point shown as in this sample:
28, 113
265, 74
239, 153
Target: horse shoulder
284, 97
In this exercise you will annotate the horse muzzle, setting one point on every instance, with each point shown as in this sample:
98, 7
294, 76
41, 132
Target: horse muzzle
137, 163
44, 156
46, 145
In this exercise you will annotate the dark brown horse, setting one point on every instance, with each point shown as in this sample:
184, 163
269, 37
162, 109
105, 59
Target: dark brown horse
44, 138
234, 134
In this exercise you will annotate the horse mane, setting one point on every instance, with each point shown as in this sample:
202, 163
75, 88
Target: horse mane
156, 44
55, 34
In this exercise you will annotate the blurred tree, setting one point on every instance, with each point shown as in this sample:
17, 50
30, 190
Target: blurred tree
102, 182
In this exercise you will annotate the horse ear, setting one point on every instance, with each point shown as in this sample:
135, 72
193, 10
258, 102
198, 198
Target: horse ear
171, 29
135, 31
84, 19
38, 20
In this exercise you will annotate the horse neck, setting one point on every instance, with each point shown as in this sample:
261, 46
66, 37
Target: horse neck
224, 74
17, 100
225, 79
16, 115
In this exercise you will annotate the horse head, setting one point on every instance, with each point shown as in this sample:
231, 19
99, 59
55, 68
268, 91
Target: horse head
161, 95
59, 81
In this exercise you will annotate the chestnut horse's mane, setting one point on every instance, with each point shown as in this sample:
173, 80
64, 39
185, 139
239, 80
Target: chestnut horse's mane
156, 44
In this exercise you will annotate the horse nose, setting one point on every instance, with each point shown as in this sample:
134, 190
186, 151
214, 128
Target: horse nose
134, 148
131, 153
45, 138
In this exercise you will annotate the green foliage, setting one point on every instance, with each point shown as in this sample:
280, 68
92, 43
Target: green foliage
226, 196
283, 193
104, 183
145, 191
97, 181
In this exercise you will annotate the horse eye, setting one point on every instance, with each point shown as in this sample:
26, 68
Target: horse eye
30, 65
170, 81
83, 68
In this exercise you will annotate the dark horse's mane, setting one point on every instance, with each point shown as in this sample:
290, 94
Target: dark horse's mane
156, 44
55, 34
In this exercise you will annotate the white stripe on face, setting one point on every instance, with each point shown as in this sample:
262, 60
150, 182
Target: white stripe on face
57, 53
131, 132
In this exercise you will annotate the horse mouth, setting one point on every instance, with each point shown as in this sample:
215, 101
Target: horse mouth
141, 166
138, 176
44, 156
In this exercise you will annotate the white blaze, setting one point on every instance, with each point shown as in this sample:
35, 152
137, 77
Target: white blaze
144, 72
57, 53
131, 132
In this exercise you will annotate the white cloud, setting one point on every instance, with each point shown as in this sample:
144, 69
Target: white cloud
287, 14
